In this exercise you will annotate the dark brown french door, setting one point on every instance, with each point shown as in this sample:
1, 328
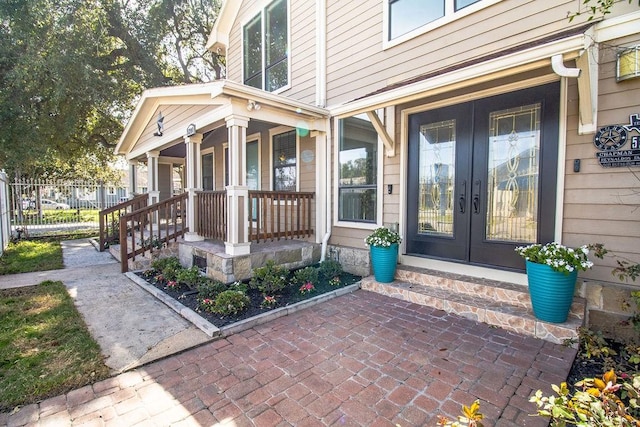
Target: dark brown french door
482, 177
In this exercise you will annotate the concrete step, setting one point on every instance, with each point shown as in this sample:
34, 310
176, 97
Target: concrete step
501, 304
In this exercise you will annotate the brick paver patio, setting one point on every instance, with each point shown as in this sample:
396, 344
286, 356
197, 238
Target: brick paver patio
362, 359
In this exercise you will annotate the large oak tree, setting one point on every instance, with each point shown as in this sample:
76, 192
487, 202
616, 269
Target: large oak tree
71, 71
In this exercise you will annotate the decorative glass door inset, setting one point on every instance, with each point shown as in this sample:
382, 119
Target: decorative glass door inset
512, 185
436, 177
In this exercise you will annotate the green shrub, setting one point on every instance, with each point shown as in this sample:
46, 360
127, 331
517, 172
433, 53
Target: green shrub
190, 277
269, 279
239, 286
210, 289
330, 269
306, 275
230, 302
161, 264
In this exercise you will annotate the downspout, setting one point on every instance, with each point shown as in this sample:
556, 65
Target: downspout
321, 100
325, 238
557, 64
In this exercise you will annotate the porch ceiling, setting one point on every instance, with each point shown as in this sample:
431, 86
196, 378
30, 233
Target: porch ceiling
207, 106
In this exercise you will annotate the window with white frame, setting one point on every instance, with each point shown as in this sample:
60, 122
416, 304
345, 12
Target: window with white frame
405, 16
284, 161
208, 171
266, 48
358, 170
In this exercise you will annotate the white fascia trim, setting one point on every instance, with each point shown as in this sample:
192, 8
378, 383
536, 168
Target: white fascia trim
477, 73
615, 28
219, 37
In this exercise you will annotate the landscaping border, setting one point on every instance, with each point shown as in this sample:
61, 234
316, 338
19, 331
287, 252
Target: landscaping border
212, 330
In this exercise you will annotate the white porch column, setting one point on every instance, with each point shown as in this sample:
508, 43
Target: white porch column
152, 176
193, 170
237, 191
133, 177
153, 188
322, 190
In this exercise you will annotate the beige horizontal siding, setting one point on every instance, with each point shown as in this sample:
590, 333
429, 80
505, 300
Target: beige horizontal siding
602, 204
357, 64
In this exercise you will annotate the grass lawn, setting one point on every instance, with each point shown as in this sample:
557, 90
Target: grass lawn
31, 255
45, 348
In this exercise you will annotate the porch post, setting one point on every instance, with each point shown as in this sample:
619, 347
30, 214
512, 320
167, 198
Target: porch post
153, 188
237, 191
152, 177
193, 168
133, 177
322, 190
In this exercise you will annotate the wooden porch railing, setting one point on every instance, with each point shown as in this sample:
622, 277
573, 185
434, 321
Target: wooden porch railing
212, 214
273, 215
149, 228
109, 219
276, 215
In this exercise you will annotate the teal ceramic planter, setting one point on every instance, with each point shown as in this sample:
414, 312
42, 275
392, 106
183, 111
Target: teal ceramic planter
551, 292
383, 261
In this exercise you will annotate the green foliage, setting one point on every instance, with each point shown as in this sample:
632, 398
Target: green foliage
269, 279
605, 401
230, 302
594, 9
330, 268
161, 264
190, 277
593, 344
210, 289
71, 70
45, 345
30, 255
306, 275
382, 237
557, 256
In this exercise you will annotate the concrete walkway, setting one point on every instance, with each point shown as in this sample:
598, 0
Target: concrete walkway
130, 327
361, 359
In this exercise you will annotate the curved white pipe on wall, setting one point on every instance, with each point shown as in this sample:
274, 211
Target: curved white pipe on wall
557, 64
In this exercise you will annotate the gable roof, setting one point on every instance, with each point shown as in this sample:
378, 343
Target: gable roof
207, 106
218, 41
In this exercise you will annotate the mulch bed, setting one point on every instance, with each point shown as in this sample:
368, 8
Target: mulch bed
290, 295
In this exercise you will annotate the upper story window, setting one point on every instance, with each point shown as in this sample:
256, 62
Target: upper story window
408, 16
266, 48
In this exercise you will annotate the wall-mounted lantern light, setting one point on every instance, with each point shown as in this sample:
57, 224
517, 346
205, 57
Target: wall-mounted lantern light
628, 64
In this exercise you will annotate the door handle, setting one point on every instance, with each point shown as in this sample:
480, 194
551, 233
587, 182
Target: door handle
476, 197
461, 199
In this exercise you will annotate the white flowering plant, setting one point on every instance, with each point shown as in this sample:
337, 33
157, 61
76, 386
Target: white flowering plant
557, 256
383, 237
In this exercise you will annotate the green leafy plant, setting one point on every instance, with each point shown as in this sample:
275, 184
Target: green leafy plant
269, 279
268, 302
210, 289
557, 256
382, 237
230, 302
471, 417
239, 286
161, 264
593, 344
599, 402
190, 277
306, 275
330, 268
335, 281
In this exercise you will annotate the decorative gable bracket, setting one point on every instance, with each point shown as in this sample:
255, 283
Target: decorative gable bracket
389, 143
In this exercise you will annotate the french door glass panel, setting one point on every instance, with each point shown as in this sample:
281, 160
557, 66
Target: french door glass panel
436, 177
512, 187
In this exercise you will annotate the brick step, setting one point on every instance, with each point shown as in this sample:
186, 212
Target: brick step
501, 304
